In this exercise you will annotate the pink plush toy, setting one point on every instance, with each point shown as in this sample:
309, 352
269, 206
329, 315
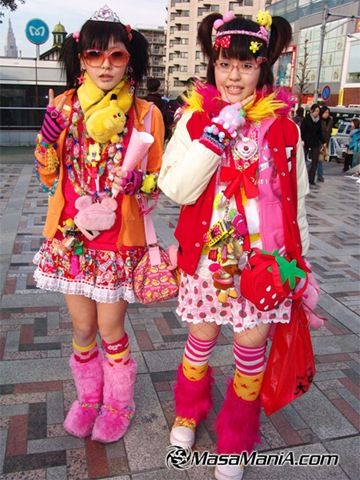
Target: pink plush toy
92, 218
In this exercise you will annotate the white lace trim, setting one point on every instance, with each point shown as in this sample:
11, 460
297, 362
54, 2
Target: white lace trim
80, 287
224, 321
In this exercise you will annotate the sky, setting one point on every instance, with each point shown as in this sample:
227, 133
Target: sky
72, 14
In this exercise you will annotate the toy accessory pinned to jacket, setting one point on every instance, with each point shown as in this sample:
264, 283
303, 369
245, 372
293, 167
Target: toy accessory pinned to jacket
105, 124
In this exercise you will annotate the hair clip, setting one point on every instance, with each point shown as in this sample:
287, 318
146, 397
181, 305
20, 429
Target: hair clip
76, 36
227, 17
254, 46
128, 29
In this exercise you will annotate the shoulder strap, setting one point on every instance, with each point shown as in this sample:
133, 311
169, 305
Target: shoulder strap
150, 233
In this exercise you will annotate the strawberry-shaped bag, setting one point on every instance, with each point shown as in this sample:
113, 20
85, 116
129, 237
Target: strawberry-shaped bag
269, 278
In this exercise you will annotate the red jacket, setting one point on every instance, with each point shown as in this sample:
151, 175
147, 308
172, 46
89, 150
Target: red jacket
194, 220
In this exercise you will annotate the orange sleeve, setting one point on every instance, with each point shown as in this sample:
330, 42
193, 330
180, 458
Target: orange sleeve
157, 148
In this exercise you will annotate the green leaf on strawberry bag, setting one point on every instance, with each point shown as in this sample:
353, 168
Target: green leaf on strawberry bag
289, 271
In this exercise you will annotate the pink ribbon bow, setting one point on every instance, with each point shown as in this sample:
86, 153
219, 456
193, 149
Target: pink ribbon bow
223, 42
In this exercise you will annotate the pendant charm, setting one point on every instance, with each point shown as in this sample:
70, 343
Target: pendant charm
245, 148
93, 153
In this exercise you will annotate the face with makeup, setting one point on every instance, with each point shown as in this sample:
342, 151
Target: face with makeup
106, 68
236, 79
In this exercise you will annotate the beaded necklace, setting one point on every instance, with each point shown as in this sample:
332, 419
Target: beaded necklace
86, 161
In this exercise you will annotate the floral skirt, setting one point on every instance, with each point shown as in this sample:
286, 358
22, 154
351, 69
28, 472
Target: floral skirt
102, 275
198, 303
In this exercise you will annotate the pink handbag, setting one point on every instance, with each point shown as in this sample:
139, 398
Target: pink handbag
155, 277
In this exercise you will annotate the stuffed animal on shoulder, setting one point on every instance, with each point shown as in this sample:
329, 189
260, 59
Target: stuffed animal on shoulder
107, 123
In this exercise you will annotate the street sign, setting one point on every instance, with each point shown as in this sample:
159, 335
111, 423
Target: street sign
37, 31
325, 92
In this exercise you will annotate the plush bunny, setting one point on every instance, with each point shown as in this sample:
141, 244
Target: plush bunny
92, 218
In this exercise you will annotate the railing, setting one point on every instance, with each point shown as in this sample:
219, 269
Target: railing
21, 118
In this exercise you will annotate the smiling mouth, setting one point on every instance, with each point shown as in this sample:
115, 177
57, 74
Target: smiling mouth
106, 77
234, 90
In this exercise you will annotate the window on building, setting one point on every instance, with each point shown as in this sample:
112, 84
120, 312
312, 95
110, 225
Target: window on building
353, 73
183, 68
184, 41
250, 3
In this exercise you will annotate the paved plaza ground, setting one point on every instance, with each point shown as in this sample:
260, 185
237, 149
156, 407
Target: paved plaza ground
37, 388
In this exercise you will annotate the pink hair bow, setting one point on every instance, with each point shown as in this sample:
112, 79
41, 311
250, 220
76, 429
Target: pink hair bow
223, 42
227, 17
76, 36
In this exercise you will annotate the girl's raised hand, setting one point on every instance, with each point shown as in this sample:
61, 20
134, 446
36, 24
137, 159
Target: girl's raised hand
51, 103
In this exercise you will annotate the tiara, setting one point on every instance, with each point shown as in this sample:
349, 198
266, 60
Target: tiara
105, 14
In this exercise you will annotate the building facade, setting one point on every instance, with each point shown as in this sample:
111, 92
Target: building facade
10, 49
157, 48
340, 59
183, 54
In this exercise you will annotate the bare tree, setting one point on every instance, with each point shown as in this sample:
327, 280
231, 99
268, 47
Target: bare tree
304, 73
10, 5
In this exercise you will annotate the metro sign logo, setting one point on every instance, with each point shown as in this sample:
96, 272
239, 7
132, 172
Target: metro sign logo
37, 31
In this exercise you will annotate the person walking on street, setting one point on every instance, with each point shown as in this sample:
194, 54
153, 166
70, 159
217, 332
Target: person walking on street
299, 117
94, 226
354, 144
311, 135
153, 86
326, 129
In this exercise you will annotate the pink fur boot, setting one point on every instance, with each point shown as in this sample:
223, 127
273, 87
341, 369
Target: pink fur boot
193, 399
118, 407
237, 424
192, 404
88, 377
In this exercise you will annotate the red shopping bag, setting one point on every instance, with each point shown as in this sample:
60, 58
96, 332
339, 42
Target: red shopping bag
290, 368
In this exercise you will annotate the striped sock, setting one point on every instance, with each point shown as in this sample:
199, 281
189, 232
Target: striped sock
119, 351
196, 356
250, 366
85, 354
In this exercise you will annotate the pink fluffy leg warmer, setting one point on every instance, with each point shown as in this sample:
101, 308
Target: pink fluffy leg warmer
88, 379
118, 407
193, 398
237, 424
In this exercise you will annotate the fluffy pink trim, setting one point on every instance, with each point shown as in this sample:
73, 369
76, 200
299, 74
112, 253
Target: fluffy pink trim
119, 407
193, 398
237, 424
88, 379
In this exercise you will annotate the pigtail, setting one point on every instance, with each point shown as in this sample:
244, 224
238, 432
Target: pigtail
138, 47
280, 38
69, 60
205, 34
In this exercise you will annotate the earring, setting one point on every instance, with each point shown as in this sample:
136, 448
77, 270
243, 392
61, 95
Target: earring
129, 71
81, 78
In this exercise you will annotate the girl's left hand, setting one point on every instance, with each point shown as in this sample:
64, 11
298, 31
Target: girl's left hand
128, 182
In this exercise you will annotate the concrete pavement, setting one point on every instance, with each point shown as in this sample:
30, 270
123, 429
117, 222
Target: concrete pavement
35, 335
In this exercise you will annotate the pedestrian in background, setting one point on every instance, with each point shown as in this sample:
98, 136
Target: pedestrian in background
326, 129
299, 116
311, 135
94, 227
154, 95
354, 145
233, 154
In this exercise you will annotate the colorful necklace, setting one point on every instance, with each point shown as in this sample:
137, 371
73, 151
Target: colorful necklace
87, 161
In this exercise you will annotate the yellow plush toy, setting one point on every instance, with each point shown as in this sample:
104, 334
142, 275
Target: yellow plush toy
149, 183
105, 124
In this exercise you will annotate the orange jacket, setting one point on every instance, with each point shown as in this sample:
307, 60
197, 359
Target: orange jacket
132, 226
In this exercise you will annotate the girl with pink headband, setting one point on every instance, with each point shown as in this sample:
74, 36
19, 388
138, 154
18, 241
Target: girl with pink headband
235, 163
